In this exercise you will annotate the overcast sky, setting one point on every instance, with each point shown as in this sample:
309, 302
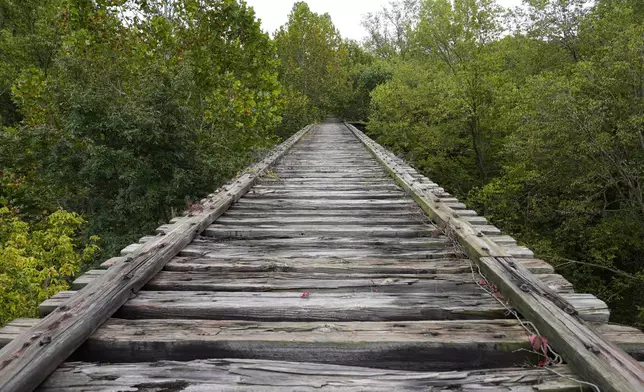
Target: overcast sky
346, 14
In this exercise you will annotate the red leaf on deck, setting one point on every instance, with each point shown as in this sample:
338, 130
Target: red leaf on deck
535, 342
539, 343
305, 294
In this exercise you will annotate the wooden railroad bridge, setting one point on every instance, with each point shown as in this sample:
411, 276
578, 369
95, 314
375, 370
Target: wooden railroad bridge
331, 265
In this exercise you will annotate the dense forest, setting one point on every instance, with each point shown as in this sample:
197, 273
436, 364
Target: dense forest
117, 114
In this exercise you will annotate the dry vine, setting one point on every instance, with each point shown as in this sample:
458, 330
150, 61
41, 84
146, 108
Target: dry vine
548, 355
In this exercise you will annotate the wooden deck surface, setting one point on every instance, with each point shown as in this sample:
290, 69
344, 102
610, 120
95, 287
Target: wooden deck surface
325, 276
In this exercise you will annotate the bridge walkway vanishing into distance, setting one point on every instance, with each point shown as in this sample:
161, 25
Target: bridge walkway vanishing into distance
331, 265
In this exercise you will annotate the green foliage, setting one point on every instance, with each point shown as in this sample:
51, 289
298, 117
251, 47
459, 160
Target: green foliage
321, 73
141, 106
414, 114
389, 30
37, 260
444, 100
29, 39
366, 72
314, 61
297, 112
541, 130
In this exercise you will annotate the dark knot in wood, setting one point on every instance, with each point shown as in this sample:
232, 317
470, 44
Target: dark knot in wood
593, 349
45, 340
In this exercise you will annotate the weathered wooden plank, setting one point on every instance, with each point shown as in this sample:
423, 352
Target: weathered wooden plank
355, 306
336, 265
324, 182
466, 213
112, 262
317, 221
325, 151
147, 238
86, 278
27, 360
130, 249
328, 176
405, 345
410, 213
488, 229
272, 376
307, 166
14, 328
356, 204
317, 253
324, 194
503, 240
409, 345
536, 266
321, 265
339, 281
286, 171
206, 243
333, 176
323, 187
455, 206
475, 220
519, 252
325, 241
628, 338
355, 156
286, 231
587, 351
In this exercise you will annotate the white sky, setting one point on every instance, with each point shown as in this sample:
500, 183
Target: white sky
346, 14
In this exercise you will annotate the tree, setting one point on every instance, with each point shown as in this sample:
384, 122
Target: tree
366, 72
572, 185
455, 41
389, 30
314, 60
139, 110
29, 38
557, 21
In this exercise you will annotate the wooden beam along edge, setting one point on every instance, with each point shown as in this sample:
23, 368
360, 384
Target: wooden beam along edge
589, 354
27, 360
274, 376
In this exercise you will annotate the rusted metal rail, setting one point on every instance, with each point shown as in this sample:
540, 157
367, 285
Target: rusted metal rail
330, 266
